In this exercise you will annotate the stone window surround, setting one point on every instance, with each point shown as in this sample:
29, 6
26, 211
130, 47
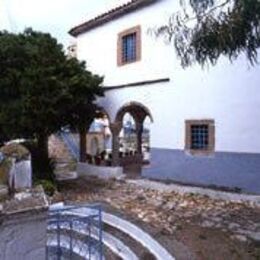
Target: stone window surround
137, 30
211, 134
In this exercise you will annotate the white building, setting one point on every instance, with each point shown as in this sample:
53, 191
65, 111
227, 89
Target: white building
206, 123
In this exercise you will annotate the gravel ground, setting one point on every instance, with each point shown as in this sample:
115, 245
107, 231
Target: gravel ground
190, 226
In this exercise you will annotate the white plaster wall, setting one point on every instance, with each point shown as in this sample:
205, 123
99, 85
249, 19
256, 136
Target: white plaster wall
21, 174
99, 47
229, 94
102, 172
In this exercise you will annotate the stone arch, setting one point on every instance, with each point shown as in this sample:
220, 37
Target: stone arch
139, 112
136, 109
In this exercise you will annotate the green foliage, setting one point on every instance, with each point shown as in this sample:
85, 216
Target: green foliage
82, 92
48, 186
30, 83
41, 90
206, 29
5, 167
83, 88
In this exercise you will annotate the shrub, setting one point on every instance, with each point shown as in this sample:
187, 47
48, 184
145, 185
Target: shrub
5, 166
48, 186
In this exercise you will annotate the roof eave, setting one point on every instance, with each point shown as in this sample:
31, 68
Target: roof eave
109, 16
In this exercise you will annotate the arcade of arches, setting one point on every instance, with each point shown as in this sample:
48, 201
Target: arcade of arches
113, 131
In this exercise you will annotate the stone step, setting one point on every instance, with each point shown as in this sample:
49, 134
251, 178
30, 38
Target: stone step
66, 253
79, 233
62, 165
80, 248
62, 176
58, 149
62, 170
140, 251
129, 229
61, 160
138, 234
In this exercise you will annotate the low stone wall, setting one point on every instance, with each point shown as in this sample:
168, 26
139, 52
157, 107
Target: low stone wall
131, 159
103, 172
23, 223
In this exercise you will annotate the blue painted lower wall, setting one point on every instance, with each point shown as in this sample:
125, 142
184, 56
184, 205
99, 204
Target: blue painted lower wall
231, 170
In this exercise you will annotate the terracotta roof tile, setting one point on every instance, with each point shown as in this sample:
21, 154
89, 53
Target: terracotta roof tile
110, 15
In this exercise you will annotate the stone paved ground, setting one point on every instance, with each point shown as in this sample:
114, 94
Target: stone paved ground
206, 228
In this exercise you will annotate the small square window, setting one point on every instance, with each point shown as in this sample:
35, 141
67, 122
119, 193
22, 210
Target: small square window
129, 46
200, 136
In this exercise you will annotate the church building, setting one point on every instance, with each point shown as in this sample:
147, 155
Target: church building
205, 123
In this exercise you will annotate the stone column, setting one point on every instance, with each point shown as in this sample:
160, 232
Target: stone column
115, 129
139, 132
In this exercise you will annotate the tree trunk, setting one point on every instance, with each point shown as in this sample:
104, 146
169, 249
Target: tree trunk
82, 143
43, 145
41, 164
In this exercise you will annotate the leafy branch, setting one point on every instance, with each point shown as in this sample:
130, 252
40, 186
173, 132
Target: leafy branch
204, 30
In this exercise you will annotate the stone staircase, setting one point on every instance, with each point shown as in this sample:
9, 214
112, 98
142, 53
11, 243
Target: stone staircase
65, 163
121, 240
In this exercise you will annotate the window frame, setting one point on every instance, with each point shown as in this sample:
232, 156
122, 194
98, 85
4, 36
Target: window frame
211, 136
134, 30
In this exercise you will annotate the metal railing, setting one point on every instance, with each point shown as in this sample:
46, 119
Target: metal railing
75, 232
69, 140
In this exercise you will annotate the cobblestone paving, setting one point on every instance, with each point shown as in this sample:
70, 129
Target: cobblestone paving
206, 226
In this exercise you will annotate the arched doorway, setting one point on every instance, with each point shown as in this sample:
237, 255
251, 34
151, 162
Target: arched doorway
127, 136
130, 119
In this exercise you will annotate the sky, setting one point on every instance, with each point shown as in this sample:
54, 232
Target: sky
53, 16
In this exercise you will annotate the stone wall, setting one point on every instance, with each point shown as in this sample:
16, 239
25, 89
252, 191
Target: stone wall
58, 149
